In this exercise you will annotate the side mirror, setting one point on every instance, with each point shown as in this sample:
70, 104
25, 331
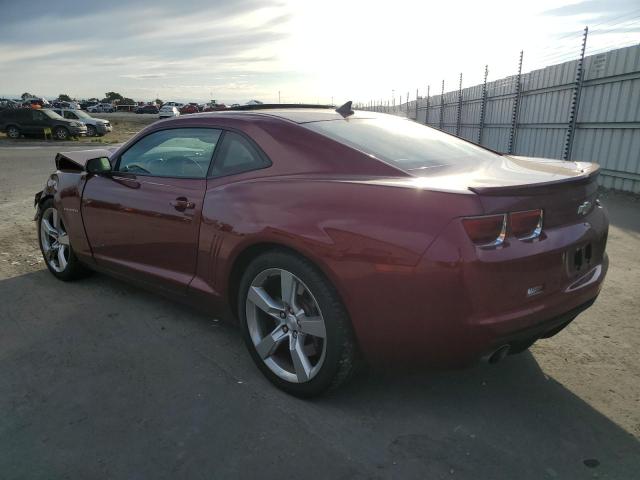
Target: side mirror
98, 165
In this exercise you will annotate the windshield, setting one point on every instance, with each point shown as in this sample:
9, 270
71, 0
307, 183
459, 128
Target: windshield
51, 114
82, 114
405, 144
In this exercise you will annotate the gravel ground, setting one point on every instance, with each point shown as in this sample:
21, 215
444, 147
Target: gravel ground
102, 380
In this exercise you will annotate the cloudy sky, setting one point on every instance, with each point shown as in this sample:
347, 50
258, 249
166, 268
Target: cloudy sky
309, 51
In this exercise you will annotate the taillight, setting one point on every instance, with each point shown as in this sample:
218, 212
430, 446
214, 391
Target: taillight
526, 225
486, 231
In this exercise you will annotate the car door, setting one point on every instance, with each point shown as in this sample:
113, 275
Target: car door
143, 218
35, 122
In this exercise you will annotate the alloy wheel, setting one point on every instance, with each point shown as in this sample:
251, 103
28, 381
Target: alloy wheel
286, 325
62, 133
54, 240
13, 132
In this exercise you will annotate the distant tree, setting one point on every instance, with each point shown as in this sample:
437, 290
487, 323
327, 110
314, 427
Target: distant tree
110, 97
26, 95
63, 97
159, 102
126, 101
93, 99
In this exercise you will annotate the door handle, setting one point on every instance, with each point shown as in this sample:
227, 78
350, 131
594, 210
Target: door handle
181, 204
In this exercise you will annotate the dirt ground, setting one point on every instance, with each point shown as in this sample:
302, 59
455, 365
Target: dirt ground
568, 409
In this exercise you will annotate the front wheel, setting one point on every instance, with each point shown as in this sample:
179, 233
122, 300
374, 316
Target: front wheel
61, 133
55, 246
91, 131
295, 326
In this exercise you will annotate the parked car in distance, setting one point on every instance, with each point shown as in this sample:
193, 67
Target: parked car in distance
331, 235
96, 127
173, 104
64, 104
101, 108
189, 108
84, 105
168, 111
147, 109
35, 102
6, 103
28, 121
215, 107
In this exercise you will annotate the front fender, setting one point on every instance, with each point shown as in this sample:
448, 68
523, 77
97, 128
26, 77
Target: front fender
65, 189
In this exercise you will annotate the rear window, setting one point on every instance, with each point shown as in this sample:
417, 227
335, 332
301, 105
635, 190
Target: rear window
402, 143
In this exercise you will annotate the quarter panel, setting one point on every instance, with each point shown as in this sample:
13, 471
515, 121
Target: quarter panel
368, 239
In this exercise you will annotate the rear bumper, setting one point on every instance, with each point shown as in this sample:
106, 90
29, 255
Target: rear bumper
459, 304
102, 128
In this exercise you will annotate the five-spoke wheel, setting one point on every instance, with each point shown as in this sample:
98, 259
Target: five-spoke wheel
55, 244
286, 325
296, 327
54, 240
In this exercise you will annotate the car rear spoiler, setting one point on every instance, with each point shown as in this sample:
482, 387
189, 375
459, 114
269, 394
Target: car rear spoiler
77, 160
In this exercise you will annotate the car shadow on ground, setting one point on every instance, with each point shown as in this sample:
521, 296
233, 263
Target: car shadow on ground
100, 379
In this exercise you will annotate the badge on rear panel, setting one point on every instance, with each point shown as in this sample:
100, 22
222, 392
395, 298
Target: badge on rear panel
531, 291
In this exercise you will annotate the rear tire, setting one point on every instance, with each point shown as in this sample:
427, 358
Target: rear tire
56, 249
13, 132
319, 353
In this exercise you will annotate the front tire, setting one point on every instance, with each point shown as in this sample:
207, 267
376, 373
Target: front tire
54, 243
91, 131
295, 325
61, 133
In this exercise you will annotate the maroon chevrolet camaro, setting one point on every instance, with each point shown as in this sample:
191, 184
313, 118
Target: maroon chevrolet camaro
334, 236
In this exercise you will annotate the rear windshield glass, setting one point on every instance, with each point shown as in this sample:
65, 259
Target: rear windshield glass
402, 143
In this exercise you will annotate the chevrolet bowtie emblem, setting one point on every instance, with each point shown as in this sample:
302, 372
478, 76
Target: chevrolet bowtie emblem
584, 208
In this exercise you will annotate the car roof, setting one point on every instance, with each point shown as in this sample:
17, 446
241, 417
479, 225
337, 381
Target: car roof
296, 115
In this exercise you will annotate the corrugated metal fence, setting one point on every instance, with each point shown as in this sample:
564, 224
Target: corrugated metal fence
539, 115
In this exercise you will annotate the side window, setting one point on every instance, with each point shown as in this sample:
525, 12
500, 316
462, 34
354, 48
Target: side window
237, 155
177, 152
38, 115
71, 115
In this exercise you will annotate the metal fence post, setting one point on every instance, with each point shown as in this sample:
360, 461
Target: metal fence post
459, 112
416, 104
575, 101
407, 104
426, 114
483, 104
442, 107
514, 112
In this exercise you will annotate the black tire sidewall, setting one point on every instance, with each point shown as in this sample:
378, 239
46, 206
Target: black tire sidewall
339, 335
92, 131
